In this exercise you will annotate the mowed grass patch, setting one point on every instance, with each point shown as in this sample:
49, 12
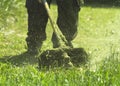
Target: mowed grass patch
98, 31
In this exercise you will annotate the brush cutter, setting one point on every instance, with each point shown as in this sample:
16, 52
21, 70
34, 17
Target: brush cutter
63, 55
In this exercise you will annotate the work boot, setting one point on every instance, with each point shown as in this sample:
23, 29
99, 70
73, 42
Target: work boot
33, 49
70, 44
55, 40
56, 43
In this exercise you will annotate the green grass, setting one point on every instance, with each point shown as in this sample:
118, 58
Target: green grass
106, 75
98, 34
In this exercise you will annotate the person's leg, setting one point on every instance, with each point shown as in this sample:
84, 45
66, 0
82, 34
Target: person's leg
37, 20
68, 11
67, 22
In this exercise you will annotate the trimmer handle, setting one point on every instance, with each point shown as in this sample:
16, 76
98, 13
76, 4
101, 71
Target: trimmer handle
61, 38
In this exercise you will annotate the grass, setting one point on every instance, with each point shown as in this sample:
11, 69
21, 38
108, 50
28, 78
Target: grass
106, 75
98, 34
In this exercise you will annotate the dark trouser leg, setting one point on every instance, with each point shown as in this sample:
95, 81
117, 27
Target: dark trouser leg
67, 20
37, 20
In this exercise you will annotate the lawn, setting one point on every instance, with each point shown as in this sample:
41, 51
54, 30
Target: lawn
98, 34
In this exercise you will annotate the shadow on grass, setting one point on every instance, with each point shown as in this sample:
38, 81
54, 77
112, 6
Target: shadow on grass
20, 60
48, 58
